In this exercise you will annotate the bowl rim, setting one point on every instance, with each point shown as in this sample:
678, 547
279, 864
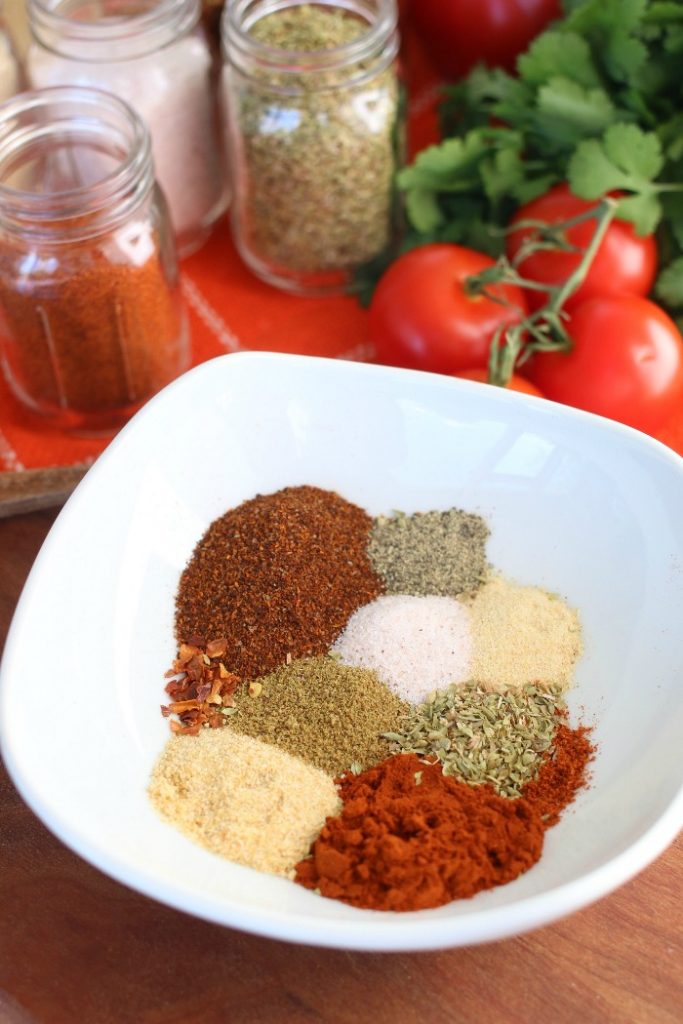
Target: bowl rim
376, 930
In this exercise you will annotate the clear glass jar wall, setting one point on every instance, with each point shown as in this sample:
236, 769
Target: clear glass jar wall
91, 319
10, 75
315, 136
153, 54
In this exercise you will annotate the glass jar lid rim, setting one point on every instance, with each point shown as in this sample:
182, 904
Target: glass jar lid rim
176, 15
356, 50
133, 175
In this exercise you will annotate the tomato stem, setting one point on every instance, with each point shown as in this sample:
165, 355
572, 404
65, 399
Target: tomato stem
544, 330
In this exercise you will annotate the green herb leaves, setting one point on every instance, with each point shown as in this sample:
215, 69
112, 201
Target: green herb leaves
597, 102
558, 53
628, 159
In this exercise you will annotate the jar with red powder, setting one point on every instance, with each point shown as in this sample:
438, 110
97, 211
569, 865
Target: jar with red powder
91, 319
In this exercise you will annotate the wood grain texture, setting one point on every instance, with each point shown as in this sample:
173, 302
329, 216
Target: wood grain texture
78, 948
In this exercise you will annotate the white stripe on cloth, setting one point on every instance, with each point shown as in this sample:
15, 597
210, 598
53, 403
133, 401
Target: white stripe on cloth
9, 460
210, 316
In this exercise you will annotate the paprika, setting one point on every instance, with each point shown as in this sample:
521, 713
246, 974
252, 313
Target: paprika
410, 837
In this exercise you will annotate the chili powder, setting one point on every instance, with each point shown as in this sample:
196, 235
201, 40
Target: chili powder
277, 576
95, 336
561, 775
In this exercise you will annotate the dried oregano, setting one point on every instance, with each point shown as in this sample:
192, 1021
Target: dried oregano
320, 149
479, 736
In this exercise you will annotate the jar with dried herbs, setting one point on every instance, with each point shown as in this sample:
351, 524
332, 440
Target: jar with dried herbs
91, 321
313, 101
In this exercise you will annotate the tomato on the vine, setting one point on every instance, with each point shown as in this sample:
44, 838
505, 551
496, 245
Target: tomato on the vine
422, 317
624, 262
516, 382
626, 362
459, 33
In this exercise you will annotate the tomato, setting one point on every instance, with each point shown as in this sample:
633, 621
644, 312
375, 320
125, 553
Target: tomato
421, 316
516, 382
624, 262
459, 33
626, 362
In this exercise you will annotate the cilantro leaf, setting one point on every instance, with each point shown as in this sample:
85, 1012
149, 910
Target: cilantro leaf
558, 53
626, 158
591, 174
484, 92
597, 102
637, 152
454, 162
625, 56
661, 12
423, 210
568, 112
532, 188
502, 173
669, 286
644, 211
606, 16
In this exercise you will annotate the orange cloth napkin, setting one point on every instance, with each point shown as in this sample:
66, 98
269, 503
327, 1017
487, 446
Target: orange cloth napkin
230, 310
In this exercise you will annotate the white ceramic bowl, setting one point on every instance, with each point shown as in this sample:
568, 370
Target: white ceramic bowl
576, 504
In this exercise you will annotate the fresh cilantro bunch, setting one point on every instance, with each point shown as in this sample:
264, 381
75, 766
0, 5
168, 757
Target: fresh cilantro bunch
597, 102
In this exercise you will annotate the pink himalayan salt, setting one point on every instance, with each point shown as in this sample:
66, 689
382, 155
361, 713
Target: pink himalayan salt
414, 644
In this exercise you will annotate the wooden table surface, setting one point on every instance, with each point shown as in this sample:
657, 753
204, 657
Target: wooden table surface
78, 948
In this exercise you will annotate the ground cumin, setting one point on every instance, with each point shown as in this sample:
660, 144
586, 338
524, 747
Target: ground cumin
326, 713
277, 578
99, 335
409, 837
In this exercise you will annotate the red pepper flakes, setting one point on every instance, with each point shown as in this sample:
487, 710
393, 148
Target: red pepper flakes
200, 687
279, 575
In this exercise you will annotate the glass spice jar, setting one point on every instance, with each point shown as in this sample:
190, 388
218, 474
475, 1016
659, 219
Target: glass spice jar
155, 55
91, 319
315, 136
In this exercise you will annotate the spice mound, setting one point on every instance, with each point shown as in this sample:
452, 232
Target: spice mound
279, 575
430, 552
409, 837
242, 799
395, 751
329, 715
479, 736
415, 644
563, 772
522, 635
